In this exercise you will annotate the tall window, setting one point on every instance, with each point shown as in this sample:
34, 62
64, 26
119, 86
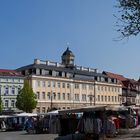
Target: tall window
19, 88
109, 98
76, 86
68, 85
63, 85
84, 86
38, 83
58, 84
115, 99
6, 103
43, 109
83, 97
102, 97
43, 95
63, 96
58, 96
48, 95
68, 96
43, 83
98, 97
53, 83
38, 95
38, 109
13, 103
13, 90
54, 96
105, 98
91, 87
76, 97
49, 83
6, 90
112, 98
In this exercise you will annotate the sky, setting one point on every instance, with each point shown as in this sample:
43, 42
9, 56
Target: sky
42, 29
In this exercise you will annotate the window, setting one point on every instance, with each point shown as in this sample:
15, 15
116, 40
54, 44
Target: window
98, 97
53, 83
6, 103
63, 85
43, 109
63, 96
83, 97
102, 98
105, 89
58, 96
109, 98
112, 98
76, 86
58, 84
13, 103
19, 88
99, 88
38, 83
43, 83
13, 90
102, 88
49, 83
68, 96
112, 89
90, 87
6, 90
38, 95
118, 89
48, 95
84, 86
105, 98
76, 97
115, 99
54, 96
63, 107
38, 109
43, 95
68, 85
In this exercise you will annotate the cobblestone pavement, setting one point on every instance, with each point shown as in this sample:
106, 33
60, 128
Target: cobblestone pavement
131, 134
21, 135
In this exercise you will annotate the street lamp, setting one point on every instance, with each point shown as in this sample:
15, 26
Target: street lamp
51, 100
72, 92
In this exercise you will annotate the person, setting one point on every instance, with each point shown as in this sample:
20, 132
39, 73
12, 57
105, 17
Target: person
3, 125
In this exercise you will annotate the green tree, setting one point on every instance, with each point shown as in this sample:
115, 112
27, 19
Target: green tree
26, 99
1, 106
129, 19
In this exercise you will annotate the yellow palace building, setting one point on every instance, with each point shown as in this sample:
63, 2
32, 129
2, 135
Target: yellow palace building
65, 85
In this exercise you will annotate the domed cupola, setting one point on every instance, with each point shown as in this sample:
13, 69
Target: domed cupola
68, 58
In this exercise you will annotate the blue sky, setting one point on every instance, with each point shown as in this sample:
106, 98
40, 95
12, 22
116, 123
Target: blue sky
32, 29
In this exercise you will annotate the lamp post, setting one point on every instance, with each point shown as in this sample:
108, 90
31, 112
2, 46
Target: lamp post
72, 94
94, 93
51, 96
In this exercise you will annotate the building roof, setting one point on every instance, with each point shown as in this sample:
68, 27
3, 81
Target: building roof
115, 76
68, 52
62, 69
126, 82
8, 72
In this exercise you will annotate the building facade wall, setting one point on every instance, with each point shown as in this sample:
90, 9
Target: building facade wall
65, 93
9, 88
